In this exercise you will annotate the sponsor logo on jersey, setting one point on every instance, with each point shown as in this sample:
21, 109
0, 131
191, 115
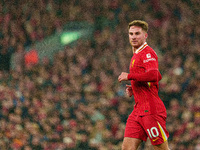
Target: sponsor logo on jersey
150, 59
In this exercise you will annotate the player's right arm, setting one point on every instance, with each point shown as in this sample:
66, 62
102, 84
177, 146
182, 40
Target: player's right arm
149, 76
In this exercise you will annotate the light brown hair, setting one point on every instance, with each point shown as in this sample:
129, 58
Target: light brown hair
139, 23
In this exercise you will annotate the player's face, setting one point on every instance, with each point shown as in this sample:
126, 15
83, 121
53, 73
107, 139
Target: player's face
137, 36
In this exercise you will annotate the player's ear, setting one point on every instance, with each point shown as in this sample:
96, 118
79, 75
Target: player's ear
146, 35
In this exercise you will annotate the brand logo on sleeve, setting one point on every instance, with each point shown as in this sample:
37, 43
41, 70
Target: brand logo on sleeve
148, 55
149, 58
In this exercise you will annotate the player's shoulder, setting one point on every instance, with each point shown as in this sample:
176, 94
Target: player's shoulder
149, 51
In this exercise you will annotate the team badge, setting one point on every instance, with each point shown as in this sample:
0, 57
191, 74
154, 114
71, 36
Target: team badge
133, 63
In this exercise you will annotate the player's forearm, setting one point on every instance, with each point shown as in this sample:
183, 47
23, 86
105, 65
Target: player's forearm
150, 76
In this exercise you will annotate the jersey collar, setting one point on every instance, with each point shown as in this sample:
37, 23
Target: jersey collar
141, 48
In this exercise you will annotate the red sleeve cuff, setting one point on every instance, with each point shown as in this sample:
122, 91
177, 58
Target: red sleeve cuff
130, 76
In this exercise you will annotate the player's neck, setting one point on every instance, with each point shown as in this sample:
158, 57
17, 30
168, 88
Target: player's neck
139, 48
134, 50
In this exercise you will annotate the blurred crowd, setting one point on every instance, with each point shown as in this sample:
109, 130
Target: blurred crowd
75, 101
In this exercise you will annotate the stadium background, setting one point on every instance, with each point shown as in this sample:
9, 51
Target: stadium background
70, 98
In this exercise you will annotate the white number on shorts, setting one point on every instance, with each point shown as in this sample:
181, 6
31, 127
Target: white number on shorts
153, 132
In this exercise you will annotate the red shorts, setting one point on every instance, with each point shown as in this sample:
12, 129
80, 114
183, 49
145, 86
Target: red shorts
152, 126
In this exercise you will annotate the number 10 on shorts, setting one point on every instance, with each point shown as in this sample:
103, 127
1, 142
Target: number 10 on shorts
153, 132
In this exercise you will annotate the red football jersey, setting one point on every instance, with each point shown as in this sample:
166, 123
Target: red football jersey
145, 94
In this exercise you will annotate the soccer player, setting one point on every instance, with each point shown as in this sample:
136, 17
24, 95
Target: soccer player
148, 118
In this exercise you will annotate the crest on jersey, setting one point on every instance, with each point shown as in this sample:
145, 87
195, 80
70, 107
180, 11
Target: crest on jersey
132, 63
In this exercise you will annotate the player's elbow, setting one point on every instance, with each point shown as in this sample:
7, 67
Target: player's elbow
155, 76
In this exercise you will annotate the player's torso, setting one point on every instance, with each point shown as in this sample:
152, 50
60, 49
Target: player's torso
137, 66
145, 93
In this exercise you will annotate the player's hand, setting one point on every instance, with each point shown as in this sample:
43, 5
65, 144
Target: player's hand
123, 77
129, 91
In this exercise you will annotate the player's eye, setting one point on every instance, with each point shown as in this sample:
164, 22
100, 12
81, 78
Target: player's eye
137, 33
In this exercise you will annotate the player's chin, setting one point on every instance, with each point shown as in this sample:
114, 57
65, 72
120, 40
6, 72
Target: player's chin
134, 45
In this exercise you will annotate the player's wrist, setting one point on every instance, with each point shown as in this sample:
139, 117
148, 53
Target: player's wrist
128, 76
